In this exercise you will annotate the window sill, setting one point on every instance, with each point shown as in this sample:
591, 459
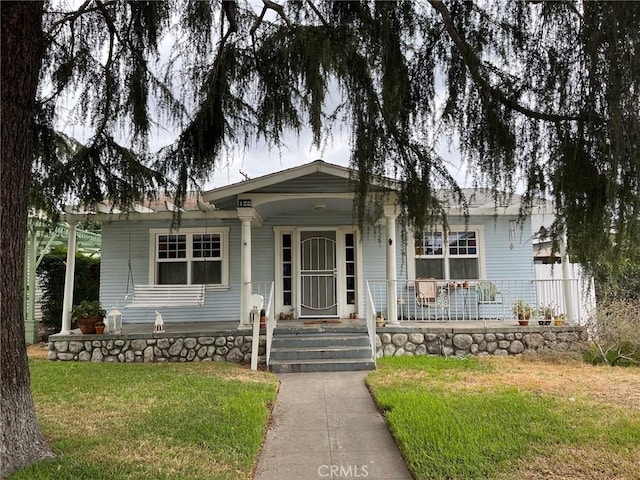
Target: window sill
216, 288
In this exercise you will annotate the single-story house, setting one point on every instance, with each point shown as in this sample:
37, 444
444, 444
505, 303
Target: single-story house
291, 237
287, 246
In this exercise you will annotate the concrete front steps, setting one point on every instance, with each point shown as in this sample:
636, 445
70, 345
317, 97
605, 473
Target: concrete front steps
320, 352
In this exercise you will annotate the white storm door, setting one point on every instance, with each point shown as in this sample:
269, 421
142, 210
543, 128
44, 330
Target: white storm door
318, 274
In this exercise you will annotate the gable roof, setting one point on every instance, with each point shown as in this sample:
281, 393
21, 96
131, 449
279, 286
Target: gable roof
315, 177
308, 182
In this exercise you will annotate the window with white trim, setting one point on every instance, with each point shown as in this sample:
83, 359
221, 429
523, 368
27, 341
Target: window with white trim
192, 257
455, 256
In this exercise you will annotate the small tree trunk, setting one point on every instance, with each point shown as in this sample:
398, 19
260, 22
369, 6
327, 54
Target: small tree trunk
22, 51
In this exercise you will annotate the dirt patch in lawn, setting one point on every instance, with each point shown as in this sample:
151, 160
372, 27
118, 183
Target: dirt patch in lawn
576, 463
38, 351
569, 379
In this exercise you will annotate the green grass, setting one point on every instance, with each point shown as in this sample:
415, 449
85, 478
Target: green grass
456, 419
150, 421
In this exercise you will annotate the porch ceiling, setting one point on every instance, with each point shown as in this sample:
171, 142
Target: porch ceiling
320, 208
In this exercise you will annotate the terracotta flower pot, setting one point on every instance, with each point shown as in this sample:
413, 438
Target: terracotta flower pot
88, 325
99, 329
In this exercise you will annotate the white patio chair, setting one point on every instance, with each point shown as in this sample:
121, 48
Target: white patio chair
430, 296
487, 293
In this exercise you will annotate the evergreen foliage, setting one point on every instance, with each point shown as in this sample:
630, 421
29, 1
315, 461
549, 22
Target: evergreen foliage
546, 91
51, 272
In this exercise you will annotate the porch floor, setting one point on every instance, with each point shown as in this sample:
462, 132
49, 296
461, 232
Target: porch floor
194, 328
205, 328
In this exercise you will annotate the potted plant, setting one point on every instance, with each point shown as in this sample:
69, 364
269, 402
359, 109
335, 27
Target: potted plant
87, 314
379, 319
548, 312
522, 310
99, 326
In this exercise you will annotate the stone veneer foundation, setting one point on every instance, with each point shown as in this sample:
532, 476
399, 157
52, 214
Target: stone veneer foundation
399, 341
228, 346
159, 347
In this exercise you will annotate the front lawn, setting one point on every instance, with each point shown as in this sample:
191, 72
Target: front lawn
506, 418
150, 421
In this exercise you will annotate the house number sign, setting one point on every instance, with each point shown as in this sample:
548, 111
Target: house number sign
244, 202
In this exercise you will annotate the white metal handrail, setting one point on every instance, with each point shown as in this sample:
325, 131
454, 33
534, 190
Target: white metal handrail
260, 288
370, 320
272, 321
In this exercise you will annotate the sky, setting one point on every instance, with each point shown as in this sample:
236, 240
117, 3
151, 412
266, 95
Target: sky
262, 159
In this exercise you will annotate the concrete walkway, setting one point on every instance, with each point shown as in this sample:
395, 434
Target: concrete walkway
326, 425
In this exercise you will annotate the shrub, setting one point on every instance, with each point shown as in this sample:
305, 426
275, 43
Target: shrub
51, 274
615, 333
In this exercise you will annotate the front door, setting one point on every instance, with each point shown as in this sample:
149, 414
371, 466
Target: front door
318, 274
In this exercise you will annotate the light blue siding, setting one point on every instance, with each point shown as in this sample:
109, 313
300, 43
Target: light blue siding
262, 250
122, 241
511, 268
297, 219
129, 241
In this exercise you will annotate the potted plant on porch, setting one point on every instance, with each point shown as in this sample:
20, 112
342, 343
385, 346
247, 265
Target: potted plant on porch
87, 314
522, 310
548, 312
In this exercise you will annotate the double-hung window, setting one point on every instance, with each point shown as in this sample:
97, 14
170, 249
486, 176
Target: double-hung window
452, 256
190, 257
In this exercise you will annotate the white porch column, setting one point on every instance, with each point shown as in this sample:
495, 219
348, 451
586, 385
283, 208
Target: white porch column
390, 216
566, 279
31, 326
245, 275
67, 303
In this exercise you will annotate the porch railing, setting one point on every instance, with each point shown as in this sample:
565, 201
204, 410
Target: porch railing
474, 299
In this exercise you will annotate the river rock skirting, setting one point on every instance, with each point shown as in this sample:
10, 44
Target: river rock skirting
397, 344
390, 341
218, 348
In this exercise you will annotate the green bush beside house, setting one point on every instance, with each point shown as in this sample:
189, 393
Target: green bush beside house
51, 272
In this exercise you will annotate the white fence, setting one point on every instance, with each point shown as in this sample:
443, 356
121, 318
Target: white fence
582, 299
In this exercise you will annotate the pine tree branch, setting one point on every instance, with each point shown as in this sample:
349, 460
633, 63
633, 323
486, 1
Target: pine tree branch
73, 16
70, 18
279, 9
269, 5
317, 12
229, 7
473, 64
258, 21
107, 67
